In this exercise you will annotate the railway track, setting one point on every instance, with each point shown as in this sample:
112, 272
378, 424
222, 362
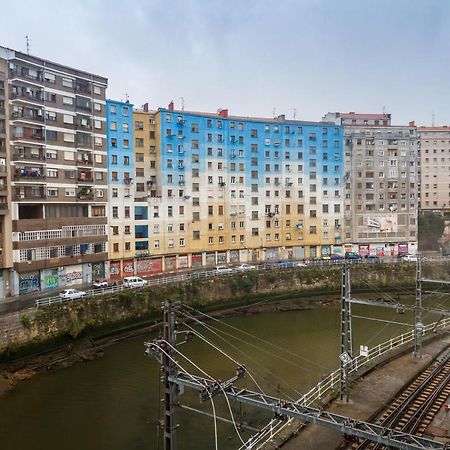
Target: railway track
417, 405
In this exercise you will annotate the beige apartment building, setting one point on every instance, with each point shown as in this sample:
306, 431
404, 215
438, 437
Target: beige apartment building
434, 168
55, 154
381, 184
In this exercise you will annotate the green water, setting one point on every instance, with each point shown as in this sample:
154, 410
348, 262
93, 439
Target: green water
112, 403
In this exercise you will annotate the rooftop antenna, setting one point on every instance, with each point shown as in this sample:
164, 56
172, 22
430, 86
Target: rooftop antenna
295, 113
182, 103
27, 39
127, 98
432, 118
274, 111
384, 110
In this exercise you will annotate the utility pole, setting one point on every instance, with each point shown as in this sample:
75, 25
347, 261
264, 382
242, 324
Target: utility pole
170, 370
346, 331
418, 325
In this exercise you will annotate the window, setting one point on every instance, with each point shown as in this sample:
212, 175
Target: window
113, 126
68, 119
125, 127
67, 100
67, 82
69, 137
97, 90
97, 107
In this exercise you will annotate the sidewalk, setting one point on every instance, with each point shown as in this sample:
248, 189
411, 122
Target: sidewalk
368, 397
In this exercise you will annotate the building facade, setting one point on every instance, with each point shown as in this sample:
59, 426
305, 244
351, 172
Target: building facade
121, 210
435, 168
381, 184
237, 189
55, 119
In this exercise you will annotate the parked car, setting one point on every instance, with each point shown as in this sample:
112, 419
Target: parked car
134, 282
245, 267
409, 258
373, 258
100, 284
71, 294
223, 269
302, 263
286, 264
352, 255
335, 257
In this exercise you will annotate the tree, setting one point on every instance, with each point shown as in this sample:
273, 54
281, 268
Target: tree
431, 227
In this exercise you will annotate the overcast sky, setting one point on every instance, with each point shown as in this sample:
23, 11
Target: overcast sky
252, 56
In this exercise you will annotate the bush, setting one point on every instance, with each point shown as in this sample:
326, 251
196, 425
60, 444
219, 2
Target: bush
26, 321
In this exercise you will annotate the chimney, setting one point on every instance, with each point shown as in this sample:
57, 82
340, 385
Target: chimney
412, 124
223, 113
282, 117
145, 107
171, 106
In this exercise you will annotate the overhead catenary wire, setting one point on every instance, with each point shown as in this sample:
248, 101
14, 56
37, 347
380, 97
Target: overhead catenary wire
193, 379
263, 368
271, 344
219, 384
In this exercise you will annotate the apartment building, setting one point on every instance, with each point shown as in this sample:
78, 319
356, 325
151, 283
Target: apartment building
236, 189
121, 210
5, 187
434, 168
56, 157
381, 184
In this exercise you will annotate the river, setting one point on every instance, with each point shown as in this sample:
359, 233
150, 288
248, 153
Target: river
112, 402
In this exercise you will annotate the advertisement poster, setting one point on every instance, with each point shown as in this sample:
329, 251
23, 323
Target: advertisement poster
128, 267
29, 282
114, 269
197, 260
380, 251
402, 248
386, 223
183, 262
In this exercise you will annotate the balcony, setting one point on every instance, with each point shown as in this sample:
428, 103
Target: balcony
85, 159
2, 92
28, 134
83, 88
3, 208
85, 176
27, 96
25, 73
30, 193
29, 154
85, 194
34, 115
27, 173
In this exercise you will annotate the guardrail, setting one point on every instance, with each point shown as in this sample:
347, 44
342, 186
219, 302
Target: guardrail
329, 383
199, 274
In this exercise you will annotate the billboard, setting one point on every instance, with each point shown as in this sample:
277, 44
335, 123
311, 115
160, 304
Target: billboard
385, 223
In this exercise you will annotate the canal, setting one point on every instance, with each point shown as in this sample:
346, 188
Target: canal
112, 402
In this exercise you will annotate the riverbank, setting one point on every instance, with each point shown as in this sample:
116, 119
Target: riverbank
64, 334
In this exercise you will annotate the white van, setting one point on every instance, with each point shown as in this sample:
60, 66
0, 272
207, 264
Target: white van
134, 282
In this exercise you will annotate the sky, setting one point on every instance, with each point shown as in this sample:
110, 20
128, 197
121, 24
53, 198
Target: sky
254, 57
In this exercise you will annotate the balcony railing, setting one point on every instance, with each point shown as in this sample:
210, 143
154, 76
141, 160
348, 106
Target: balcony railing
27, 96
29, 174
29, 135
28, 154
29, 194
86, 194
14, 73
27, 116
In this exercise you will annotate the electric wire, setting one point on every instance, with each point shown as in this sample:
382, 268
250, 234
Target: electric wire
193, 379
259, 339
264, 369
218, 383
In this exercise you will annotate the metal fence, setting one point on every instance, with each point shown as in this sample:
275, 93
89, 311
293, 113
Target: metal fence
333, 380
201, 273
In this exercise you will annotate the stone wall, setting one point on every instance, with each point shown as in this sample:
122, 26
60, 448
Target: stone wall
109, 313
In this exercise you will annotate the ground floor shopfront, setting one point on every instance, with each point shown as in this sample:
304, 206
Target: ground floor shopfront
57, 277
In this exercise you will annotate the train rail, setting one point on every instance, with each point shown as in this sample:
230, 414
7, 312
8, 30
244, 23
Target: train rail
415, 408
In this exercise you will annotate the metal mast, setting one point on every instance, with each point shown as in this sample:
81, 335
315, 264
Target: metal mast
346, 331
169, 369
418, 325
